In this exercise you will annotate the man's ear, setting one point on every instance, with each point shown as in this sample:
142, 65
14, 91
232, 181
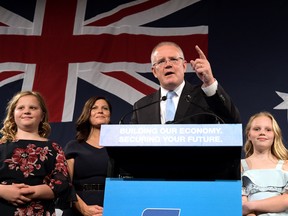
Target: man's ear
185, 65
154, 72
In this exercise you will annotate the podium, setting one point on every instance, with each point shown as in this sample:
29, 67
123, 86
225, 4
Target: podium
169, 170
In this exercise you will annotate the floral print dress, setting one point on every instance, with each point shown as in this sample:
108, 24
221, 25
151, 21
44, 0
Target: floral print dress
33, 163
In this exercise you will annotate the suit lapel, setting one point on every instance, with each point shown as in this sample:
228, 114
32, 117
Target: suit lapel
154, 113
183, 105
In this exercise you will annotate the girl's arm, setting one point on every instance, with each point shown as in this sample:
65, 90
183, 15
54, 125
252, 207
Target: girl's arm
16, 193
42, 191
272, 204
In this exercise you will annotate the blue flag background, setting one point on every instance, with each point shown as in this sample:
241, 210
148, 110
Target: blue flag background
70, 50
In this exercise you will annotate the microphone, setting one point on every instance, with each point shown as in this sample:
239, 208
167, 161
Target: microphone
189, 99
139, 108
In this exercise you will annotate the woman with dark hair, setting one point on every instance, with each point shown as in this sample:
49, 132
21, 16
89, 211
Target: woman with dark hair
87, 160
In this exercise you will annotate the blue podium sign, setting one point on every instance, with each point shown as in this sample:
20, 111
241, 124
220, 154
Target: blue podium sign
172, 198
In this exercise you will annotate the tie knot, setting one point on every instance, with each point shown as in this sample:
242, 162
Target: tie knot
170, 94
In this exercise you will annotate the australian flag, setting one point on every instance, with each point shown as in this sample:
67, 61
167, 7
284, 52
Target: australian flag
69, 50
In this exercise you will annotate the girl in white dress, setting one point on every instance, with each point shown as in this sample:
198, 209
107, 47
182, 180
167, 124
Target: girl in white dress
265, 168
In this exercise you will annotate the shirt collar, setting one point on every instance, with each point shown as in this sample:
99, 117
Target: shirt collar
178, 90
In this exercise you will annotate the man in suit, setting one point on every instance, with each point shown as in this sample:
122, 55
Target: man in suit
201, 104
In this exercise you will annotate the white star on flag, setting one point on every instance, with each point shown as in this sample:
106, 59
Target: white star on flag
284, 104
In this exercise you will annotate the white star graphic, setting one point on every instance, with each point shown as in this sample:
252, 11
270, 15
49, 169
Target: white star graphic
284, 104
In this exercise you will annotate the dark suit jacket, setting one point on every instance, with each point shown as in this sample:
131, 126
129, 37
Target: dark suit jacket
194, 107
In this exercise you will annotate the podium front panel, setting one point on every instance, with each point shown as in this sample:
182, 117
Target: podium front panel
172, 198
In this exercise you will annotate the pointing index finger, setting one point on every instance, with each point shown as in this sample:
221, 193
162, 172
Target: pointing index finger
200, 52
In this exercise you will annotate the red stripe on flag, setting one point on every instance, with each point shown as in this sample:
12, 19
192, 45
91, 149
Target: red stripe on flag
5, 74
2, 24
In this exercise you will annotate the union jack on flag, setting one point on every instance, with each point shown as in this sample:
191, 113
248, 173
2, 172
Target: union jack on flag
69, 50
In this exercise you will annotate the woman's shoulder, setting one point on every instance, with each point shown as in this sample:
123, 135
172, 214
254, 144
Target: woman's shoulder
72, 144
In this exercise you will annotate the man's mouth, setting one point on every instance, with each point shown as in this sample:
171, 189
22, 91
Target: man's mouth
168, 73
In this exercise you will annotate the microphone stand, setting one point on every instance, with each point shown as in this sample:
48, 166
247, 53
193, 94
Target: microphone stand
121, 121
218, 119
188, 99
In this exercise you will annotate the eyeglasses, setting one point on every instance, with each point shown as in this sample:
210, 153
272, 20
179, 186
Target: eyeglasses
172, 60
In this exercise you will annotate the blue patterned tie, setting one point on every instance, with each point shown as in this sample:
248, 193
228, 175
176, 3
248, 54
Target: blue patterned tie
170, 108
